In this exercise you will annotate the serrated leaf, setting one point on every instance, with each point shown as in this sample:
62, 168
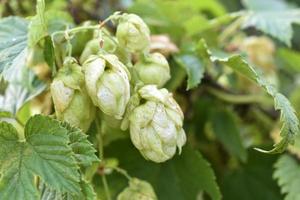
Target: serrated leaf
287, 173
183, 177
44, 153
37, 25
290, 123
82, 148
273, 17
193, 67
87, 193
225, 128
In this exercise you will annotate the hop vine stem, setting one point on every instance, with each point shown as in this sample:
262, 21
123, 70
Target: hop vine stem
101, 156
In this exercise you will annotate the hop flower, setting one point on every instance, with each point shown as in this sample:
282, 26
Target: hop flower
137, 190
156, 125
107, 83
133, 33
70, 97
153, 69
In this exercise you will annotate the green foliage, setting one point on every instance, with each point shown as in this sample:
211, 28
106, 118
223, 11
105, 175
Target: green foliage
213, 104
194, 68
287, 173
42, 151
268, 17
225, 128
171, 180
290, 123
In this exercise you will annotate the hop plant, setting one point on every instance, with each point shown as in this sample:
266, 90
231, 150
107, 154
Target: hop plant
137, 190
132, 33
156, 125
107, 83
153, 69
70, 97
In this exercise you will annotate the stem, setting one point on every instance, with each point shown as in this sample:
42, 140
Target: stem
237, 98
214, 23
101, 156
122, 171
230, 30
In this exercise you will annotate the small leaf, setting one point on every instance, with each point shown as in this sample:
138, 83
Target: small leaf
290, 123
273, 17
193, 67
287, 173
49, 54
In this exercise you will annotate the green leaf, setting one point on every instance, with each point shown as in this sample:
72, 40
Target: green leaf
225, 128
43, 152
37, 25
287, 173
23, 84
290, 123
83, 149
290, 58
23, 87
194, 69
87, 193
273, 17
181, 178
252, 180
13, 43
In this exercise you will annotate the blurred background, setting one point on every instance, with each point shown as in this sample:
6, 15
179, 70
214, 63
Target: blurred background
220, 126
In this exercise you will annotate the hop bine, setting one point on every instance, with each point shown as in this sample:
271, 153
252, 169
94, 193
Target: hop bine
70, 97
155, 124
107, 83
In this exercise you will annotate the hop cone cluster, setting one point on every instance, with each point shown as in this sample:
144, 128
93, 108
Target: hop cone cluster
119, 78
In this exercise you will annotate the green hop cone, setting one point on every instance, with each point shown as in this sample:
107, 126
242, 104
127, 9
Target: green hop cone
156, 125
137, 190
107, 83
132, 33
70, 97
153, 69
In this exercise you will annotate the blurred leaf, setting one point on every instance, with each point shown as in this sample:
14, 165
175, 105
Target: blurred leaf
291, 58
290, 123
49, 54
258, 5
287, 173
23, 84
181, 178
252, 180
226, 130
194, 69
13, 43
38, 25
273, 17
20, 91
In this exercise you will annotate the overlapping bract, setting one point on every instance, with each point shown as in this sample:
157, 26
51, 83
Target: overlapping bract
156, 125
70, 97
137, 190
